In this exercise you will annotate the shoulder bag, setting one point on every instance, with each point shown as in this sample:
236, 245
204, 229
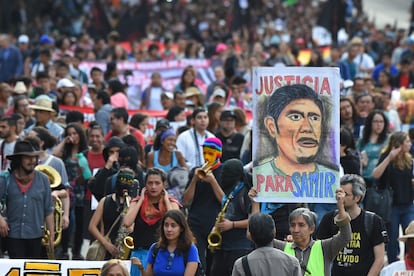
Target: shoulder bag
97, 250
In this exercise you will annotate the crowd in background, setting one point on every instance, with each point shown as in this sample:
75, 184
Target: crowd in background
43, 47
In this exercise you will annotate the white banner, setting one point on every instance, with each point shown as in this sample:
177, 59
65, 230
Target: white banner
17, 267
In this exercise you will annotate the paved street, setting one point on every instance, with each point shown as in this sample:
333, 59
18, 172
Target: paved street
386, 11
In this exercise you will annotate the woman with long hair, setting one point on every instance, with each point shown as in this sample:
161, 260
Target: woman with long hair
70, 150
175, 252
395, 170
165, 155
187, 80
214, 111
70, 98
374, 138
146, 212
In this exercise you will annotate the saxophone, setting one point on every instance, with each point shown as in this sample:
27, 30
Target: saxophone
214, 238
124, 243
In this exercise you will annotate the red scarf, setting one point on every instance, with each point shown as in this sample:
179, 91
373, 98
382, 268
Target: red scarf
149, 213
409, 262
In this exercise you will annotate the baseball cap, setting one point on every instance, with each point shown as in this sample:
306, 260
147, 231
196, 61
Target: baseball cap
227, 113
23, 39
65, 83
162, 123
45, 39
219, 93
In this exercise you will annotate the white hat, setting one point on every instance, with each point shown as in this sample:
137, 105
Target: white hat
167, 94
219, 93
65, 83
20, 88
23, 39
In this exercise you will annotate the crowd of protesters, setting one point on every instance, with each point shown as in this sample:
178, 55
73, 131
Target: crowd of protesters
41, 58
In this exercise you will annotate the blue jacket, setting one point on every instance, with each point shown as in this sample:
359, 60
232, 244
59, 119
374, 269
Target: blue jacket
11, 63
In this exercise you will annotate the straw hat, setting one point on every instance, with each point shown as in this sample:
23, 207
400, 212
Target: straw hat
409, 232
192, 91
43, 103
356, 40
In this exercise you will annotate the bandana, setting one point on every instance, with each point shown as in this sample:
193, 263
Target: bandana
166, 134
126, 182
149, 213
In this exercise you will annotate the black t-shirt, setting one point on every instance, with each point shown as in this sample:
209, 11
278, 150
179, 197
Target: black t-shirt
231, 145
111, 211
357, 257
238, 209
204, 207
399, 181
144, 235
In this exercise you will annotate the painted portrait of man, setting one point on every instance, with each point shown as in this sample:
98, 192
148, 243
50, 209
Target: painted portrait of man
296, 121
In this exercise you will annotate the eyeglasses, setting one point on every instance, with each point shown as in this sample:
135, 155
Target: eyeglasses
170, 260
347, 194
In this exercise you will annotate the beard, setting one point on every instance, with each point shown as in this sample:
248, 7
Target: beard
27, 171
306, 160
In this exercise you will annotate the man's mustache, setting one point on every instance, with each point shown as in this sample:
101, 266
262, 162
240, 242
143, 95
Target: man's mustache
308, 140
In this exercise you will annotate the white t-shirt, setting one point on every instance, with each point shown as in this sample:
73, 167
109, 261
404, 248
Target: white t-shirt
396, 269
154, 102
8, 149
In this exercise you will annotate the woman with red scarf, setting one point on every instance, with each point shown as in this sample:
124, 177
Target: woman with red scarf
405, 266
146, 211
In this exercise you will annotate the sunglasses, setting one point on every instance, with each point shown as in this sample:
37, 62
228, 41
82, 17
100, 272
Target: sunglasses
170, 261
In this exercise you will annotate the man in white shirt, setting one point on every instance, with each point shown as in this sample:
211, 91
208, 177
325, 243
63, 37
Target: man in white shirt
364, 62
151, 96
190, 142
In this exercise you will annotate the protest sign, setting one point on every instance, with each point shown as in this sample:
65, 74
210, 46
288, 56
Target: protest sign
20, 267
296, 134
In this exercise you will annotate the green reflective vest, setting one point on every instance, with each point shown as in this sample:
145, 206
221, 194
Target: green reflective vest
316, 263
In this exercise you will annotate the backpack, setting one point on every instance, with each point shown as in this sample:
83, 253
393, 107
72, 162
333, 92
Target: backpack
199, 271
369, 224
